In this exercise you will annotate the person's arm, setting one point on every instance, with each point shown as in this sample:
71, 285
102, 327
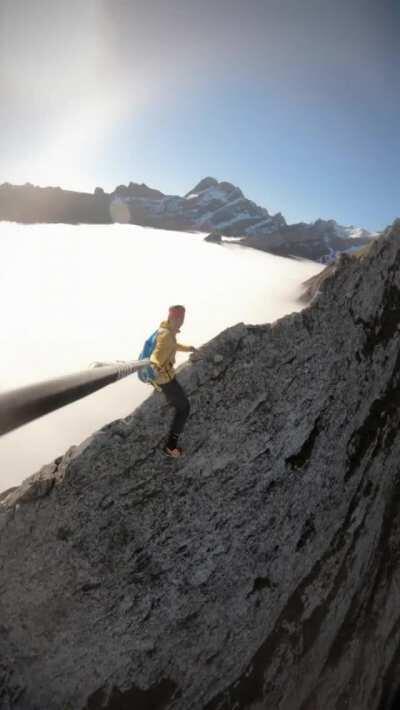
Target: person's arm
185, 348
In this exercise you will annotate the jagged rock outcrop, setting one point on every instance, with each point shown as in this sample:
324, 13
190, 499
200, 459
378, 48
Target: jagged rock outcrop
214, 237
313, 285
260, 571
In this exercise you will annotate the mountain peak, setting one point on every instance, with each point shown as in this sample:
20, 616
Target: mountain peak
136, 189
204, 184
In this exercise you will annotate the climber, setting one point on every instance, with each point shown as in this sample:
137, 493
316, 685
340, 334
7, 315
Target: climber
162, 360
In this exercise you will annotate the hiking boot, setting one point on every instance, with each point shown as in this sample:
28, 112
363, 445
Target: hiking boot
175, 453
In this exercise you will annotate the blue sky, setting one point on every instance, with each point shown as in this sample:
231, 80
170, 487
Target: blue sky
297, 103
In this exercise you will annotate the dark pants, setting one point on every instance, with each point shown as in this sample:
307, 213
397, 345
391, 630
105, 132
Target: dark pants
176, 397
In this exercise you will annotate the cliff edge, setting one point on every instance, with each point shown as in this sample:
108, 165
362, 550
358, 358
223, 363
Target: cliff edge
260, 571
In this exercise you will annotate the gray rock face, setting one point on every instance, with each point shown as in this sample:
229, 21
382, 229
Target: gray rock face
313, 285
260, 571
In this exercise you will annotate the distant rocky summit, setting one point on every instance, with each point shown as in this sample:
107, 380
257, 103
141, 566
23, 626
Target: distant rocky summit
211, 206
322, 241
262, 570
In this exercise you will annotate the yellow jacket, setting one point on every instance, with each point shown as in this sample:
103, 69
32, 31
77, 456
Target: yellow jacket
163, 355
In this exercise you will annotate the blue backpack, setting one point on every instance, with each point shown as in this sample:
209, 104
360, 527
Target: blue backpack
147, 374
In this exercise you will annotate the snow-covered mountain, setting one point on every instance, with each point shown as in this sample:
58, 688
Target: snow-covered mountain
321, 240
211, 205
221, 207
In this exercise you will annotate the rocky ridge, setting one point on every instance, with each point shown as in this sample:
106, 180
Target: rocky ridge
260, 571
211, 206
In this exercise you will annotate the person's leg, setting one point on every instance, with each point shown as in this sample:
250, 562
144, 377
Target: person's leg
176, 397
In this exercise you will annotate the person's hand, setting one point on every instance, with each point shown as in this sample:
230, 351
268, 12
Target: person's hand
194, 354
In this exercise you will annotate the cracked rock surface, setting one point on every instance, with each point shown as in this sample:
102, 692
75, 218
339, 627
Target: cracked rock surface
262, 570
